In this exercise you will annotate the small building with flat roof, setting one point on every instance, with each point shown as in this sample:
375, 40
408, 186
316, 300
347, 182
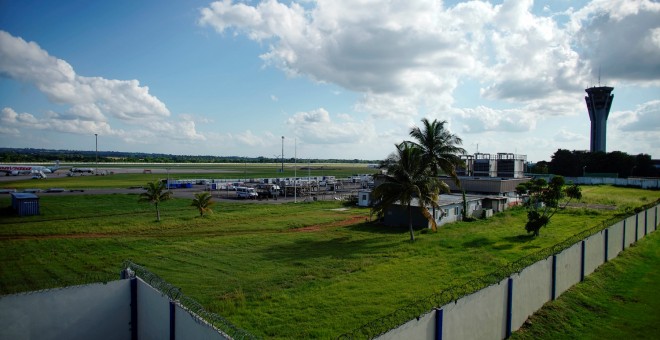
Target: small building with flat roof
25, 204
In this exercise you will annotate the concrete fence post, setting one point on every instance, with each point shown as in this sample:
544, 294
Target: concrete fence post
623, 246
509, 307
607, 242
134, 309
582, 259
172, 320
439, 314
554, 277
646, 222
636, 228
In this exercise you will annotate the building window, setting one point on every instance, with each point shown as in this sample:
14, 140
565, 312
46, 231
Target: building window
364, 197
456, 210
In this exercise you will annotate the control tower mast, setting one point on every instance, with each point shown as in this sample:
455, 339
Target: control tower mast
599, 102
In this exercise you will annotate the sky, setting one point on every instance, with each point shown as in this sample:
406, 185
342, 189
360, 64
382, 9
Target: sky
344, 79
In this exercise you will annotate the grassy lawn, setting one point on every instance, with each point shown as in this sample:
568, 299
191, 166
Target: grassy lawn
267, 267
618, 301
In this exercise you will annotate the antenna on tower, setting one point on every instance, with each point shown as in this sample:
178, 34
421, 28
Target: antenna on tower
598, 75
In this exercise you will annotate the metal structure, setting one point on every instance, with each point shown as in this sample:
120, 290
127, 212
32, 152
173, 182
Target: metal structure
599, 103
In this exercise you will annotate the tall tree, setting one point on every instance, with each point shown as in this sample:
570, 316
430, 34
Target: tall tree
407, 179
441, 149
155, 194
202, 202
544, 200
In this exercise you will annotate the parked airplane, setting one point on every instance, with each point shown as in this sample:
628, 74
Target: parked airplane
15, 170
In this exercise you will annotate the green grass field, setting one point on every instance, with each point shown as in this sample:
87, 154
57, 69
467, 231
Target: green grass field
318, 266
619, 301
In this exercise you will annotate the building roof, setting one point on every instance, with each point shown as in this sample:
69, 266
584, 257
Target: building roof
24, 195
450, 199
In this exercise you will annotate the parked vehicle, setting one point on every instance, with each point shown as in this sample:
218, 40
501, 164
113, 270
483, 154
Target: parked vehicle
245, 192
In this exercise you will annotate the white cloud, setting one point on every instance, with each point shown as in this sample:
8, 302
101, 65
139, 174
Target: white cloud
567, 136
90, 97
317, 127
620, 38
646, 117
94, 102
482, 119
407, 58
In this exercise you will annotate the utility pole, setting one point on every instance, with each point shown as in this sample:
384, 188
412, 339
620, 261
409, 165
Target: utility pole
96, 137
282, 171
295, 169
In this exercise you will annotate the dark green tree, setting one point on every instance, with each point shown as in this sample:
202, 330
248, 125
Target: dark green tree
544, 200
407, 179
155, 194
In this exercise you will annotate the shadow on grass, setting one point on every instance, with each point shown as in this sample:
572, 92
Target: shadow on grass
379, 228
478, 242
520, 238
343, 247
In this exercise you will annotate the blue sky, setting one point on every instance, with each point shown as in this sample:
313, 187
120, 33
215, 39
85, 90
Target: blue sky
340, 79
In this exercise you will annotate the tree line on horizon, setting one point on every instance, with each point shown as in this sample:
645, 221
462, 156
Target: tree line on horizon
578, 163
20, 155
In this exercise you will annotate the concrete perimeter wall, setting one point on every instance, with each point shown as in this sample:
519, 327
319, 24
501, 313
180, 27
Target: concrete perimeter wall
532, 288
422, 328
100, 311
614, 240
631, 230
569, 268
96, 311
496, 311
485, 308
594, 253
153, 312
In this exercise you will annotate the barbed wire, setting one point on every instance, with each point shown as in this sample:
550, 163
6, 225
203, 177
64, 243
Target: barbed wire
67, 282
425, 305
188, 303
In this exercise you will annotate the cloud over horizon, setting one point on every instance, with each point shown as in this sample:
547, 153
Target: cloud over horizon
94, 102
408, 56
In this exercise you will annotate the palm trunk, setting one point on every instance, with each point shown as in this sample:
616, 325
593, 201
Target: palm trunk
157, 213
410, 224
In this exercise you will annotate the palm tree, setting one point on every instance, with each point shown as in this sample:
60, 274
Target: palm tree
441, 148
155, 194
407, 179
202, 202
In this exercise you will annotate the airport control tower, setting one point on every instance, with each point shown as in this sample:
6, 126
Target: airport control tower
599, 102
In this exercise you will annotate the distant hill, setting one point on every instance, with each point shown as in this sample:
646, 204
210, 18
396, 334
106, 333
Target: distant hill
19, 155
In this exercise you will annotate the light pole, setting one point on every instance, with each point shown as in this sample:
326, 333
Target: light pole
295, 170
96, 137
282, 171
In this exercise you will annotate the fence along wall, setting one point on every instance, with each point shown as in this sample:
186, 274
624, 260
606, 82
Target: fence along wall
96, 311
100, 311
497, 310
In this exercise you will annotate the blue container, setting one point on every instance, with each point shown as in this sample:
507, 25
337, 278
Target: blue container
25, 204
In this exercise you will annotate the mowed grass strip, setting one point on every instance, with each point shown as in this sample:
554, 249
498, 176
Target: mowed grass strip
261, 267
619, 301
